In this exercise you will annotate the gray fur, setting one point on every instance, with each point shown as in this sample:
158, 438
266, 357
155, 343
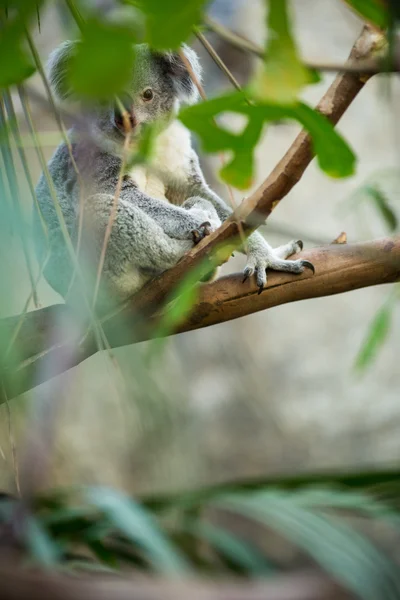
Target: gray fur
149, 234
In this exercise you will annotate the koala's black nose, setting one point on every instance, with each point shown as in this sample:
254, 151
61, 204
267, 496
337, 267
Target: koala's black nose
126, 120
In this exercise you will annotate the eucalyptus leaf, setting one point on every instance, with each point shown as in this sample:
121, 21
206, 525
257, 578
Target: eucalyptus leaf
382, 204
283, 74
333, 154
374, 11
376, 336
168, 24
101, 67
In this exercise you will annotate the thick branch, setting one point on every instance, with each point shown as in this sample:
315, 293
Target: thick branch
339, 268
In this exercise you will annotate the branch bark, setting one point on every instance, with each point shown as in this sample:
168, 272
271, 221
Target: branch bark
338, 268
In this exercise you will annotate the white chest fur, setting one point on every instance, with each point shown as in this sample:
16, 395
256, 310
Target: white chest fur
169, 162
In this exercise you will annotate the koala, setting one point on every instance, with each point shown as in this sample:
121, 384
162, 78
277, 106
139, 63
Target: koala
164, 207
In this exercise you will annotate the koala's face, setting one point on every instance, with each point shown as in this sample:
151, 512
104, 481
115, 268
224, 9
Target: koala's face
160, 82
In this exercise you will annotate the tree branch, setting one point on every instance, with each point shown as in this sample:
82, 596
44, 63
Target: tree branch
18, 584
338, 268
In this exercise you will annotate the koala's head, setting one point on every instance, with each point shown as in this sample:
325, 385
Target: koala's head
159, 83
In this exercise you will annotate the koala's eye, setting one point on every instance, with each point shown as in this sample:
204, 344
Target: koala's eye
147, 94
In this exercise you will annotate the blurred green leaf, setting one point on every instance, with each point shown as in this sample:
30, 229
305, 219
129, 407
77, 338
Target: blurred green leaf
19, 67
137, 525
283, 74
43, 548
374, 11
339, 549
333, 154
237, 551
168, 24
102, 65
376, 336
383, 206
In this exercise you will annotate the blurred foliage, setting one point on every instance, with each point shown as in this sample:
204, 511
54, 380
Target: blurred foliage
282, 75
168, 24
374, 11
330, 523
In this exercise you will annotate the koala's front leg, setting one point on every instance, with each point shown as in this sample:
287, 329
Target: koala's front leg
190, 222
260, 255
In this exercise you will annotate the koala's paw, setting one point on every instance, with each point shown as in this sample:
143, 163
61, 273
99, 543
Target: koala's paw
205, 213
201, 232
261, 259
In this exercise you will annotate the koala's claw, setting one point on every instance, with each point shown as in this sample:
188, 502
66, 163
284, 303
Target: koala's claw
300, 244
248, 271
201, 232
308, 265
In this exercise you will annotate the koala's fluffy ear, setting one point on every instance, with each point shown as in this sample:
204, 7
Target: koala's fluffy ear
185, 87
57, 68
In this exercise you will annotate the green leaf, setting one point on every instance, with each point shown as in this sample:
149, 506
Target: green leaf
340, 550
374, 11
283, 74
42, 547
168, 24
237, 551
137, 525
377, 334
101, 67
382, 204
19, 67
333, 154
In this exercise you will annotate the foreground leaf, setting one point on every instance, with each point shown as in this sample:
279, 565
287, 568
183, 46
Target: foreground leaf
374, 11
283, 74
333, 154
168, 24
344, 553
137, 525
102, 64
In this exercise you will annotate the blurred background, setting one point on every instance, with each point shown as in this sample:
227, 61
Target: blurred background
275, 391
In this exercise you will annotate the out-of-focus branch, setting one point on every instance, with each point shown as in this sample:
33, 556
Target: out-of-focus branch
19, 585
338, 268
367, 66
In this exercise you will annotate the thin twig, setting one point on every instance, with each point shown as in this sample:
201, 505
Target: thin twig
217, 59
364, 67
